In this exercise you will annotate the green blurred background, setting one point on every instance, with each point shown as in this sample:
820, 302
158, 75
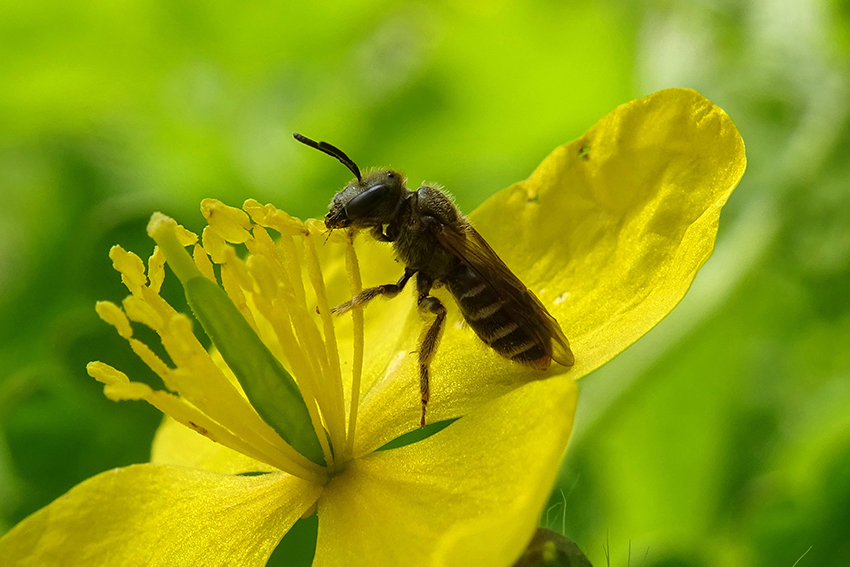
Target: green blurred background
721, 438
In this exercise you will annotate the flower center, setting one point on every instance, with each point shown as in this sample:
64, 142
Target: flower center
282, 333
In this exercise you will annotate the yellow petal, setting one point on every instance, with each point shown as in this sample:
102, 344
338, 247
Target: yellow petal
149, 515
469, 495
176, 444
609, 232
633, 207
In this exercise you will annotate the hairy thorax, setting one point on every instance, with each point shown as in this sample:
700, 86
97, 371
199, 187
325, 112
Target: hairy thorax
427, 211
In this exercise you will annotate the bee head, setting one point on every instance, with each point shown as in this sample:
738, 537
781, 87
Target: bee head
366, 201
372, 201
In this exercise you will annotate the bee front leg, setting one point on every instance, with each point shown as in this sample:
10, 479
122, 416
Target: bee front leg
365, 296
378, 234
430, 337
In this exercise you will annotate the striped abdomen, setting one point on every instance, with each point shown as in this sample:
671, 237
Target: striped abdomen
503, 320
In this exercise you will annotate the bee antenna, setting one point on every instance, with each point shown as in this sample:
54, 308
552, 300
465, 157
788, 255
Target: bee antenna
332, 151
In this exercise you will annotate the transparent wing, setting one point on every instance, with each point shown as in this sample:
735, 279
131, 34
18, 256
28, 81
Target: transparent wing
470, 248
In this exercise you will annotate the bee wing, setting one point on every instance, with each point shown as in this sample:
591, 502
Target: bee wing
470, 248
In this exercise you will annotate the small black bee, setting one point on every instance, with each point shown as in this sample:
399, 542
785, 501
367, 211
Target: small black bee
436, 242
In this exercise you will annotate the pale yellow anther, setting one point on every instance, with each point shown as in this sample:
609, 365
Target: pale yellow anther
184, 236
117, 385
271, 217
131, 268
214, 245
203, 262
259, 213
156, 269
106, 374
263, 244
317, 227
113, 315
230, 223
140, 311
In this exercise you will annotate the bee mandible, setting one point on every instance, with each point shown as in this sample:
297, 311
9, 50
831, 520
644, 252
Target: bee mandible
438, 245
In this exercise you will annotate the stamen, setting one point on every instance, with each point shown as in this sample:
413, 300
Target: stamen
352, 266
273, 282
273, 392
202, 261
154, 362
117, 386
113, 315
214, 399
321, 370
156, 269
215, 395
308, 335
140, 311
234, 279
231, 223
291, 258
214, 244
268, 290
131, 268
275, 291
255, 289
336, 413
310, 340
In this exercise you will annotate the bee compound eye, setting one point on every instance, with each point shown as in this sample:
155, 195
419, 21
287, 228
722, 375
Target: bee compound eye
363, 204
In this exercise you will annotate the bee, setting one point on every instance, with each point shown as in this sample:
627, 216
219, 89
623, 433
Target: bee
438, 245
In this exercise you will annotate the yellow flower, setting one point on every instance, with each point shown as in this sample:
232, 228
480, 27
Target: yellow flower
609, 232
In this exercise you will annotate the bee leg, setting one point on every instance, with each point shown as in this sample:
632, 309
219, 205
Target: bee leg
362, 298
430, 337
378, 234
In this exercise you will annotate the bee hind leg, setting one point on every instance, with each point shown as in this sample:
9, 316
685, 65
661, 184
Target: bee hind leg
367, 295
429, 340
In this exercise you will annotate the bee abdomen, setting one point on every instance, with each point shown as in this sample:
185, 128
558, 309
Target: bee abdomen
493, 319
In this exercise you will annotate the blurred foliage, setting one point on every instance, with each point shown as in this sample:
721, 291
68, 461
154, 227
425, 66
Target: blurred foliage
721, 438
